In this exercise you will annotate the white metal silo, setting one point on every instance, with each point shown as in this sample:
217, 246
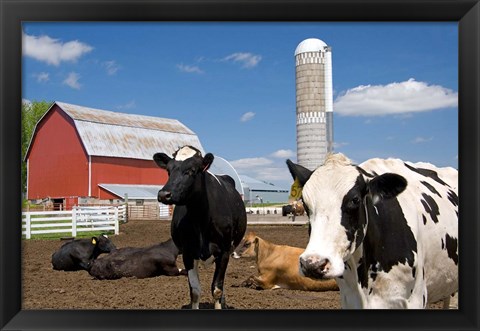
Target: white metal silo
313, 73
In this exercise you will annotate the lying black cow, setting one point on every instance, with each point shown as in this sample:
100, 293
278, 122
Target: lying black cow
78, 254
209, 217
141, 262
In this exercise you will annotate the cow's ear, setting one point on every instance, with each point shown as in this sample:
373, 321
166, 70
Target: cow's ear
299, 173
207, 161
386, 186
162, 159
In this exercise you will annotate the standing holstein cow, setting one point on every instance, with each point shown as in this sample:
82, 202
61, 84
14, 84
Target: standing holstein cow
209, 218
386, 230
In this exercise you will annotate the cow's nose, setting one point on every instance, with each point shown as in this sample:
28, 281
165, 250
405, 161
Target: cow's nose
314, 266
164, 196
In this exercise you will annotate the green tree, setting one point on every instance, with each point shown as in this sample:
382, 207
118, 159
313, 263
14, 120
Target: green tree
32, 112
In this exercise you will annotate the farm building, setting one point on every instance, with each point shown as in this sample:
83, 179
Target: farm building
256, 191
78, 154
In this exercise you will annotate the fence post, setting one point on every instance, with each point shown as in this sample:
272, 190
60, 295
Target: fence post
117, 231
74, 221
126, 208
29, 224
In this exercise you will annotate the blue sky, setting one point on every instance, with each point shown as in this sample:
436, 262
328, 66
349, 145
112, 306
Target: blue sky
395, 84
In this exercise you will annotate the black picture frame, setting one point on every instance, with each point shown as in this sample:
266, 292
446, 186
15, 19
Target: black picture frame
14, 12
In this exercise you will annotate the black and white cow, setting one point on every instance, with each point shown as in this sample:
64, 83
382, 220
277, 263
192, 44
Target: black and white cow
139, 262
78, 254
209, 219
386, 230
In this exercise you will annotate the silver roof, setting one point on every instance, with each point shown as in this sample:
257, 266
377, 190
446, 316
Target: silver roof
112, 134
145, 192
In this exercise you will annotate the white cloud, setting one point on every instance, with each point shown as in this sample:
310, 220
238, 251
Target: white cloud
72, 80
128, 105
111, 67
395, 98
53, 51
338, 144
247, 60
283, 153
247, 116
249, 163
421, 140
42, 77
189, 69
270, 169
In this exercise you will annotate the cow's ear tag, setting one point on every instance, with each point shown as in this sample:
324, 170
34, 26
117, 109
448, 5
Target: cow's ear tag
295, 190
94, 241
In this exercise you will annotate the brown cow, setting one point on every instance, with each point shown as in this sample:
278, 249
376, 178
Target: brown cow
277, 266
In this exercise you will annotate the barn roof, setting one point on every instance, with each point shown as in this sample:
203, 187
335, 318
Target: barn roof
112, 134
145, 192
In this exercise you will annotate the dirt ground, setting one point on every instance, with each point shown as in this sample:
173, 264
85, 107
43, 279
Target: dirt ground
45, 288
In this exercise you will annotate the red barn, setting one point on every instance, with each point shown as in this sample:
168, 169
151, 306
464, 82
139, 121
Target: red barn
78, 152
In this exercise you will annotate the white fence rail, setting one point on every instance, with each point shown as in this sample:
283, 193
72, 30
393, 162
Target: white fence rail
79, 219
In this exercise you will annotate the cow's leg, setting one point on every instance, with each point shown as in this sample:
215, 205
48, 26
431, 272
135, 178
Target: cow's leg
193, 281
221, 263
446, 303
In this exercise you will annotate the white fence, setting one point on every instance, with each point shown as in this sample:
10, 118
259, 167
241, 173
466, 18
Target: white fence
79, 219
264, 210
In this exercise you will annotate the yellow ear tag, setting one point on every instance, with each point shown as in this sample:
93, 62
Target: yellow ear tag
295, 191
94, 241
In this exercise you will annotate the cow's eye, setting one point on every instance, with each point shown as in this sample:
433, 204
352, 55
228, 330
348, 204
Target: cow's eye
355, 201
190, 172
247, 244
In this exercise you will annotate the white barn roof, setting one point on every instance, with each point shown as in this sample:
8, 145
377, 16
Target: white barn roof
112, 134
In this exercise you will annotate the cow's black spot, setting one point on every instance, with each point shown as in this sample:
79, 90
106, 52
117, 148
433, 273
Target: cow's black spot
371, 290
427, 173
414, 270
431, 207
389, 240
424, 219
451, 245
353, 213
443, 243
424, 300
431, 188
453, 197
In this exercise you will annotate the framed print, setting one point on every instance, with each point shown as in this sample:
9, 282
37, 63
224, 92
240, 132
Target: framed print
218, 27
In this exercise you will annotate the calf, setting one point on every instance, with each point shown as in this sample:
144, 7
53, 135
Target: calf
78, 254
156, 260
386, 230
277, 266
209, 219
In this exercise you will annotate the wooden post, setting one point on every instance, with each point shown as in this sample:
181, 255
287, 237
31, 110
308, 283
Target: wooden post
117, 230
29, 225
126, 208
74, 221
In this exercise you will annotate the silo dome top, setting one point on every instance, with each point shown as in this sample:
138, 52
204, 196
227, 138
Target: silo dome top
310, 45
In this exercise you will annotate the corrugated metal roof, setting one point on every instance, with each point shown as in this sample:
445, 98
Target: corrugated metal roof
257, 185
145, 192
107, 133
